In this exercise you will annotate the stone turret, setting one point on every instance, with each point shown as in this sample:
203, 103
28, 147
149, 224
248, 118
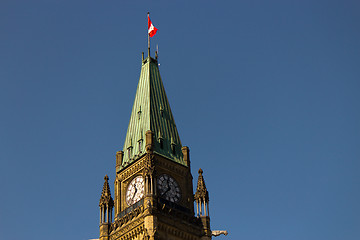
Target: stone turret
201, 198
106, 205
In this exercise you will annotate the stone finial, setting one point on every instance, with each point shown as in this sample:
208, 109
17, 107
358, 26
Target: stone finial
201, 191
149, 135
119, 158
106, 198
186, 153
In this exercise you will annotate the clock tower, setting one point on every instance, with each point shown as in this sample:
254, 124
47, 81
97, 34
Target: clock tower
153, 192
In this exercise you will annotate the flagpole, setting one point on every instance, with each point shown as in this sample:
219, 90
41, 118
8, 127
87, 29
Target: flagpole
148, 36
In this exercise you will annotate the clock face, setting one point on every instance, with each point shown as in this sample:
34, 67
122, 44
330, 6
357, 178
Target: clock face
168, 188
135, 190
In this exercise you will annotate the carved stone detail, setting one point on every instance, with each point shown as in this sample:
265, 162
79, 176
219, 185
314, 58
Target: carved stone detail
183, 217
131, 170
184, 233
164, 163
149, 164
120, 222
128, 226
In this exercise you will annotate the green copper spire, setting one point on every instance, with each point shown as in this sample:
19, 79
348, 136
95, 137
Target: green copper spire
151, 111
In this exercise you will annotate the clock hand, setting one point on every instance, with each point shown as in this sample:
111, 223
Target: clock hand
168, 188
134, 191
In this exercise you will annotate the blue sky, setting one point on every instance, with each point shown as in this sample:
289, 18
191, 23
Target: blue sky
265, 94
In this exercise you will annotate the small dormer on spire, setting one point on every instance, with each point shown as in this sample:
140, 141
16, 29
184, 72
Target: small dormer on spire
201, 196
173, 145
160, 139
106, 203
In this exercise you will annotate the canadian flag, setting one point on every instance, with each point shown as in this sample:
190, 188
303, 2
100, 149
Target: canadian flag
151, 29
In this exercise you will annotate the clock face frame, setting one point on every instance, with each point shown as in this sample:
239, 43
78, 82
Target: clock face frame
168, 188
135, 190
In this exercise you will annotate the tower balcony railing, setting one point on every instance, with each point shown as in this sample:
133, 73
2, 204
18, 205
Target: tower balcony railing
131, 208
